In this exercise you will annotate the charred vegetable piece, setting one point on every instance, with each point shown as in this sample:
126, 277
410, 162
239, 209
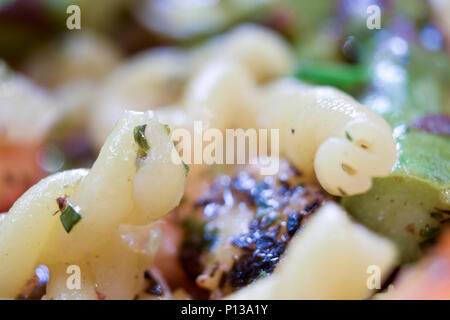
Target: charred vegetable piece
240, 229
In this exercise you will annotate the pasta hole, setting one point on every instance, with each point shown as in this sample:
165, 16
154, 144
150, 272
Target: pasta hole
348, 169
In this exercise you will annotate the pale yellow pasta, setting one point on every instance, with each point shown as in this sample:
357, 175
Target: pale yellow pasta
73, 57
115, 271
174, 116
118, 268
27, 226
332, 258
225, 73
167, 176
108, 196
328, 135
218, 92
57, 288
261, 51
116, 191
27, 112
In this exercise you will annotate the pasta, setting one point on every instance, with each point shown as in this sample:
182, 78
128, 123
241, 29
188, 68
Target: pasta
27, 112
324, 132
328, 135
110, 195
262, 52
330, 259
73, 58
218, 91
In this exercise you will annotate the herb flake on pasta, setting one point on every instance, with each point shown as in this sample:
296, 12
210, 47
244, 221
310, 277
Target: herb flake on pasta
70, 217
348, 136
139, 137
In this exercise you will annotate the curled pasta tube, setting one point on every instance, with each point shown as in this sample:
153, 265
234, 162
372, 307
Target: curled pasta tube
107, 196
329, 136
346, 167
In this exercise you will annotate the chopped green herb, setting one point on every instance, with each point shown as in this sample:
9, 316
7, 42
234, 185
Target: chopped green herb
141, 156
186, 168
348, 136
141, 140
70, 217
139, 137
167, 128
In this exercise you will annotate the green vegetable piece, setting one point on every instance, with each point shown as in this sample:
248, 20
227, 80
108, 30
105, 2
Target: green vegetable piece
186, 168
414, 198
139, 137
348, 136
424, 91
340, 75
70, 217
167, 128
425, 156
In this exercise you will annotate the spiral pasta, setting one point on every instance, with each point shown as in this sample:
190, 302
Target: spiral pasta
328, 135
113, 198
